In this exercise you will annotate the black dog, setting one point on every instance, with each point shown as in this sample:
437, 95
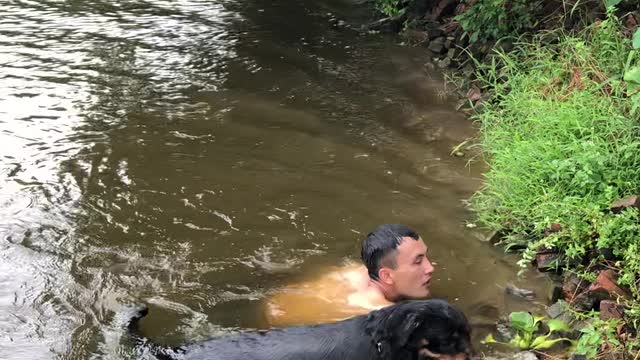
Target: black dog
412, 330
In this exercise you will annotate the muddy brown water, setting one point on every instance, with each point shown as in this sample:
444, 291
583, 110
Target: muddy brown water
198, 155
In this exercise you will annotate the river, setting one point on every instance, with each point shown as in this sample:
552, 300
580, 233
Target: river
176, 152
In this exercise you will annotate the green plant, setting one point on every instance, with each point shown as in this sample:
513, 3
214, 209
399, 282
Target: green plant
561, 135
527, 329
493, 19
610, 3
632, 74
596, 336
390, 8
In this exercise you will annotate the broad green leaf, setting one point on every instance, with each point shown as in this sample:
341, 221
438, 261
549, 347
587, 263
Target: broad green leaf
489, 339
588, 330
609, 3
519, 342
555, 325
522, 321
633, 75
537, 319
548, 343
539, 340
524, 344
636, 39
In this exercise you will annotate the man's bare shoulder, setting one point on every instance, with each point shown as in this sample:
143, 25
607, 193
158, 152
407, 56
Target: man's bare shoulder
352, 273
338, 293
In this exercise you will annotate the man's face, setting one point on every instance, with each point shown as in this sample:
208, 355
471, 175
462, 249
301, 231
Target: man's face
412, 274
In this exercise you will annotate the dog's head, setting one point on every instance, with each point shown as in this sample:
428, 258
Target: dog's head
419, 330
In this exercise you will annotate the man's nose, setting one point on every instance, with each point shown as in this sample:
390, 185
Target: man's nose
428, 267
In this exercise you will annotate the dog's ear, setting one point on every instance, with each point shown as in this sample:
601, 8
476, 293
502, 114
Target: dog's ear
391, 328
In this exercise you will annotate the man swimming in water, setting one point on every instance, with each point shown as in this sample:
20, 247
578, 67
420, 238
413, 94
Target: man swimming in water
396, 267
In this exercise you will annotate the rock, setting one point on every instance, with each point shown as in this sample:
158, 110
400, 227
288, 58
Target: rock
554, 311
607, 282
437, 45
448, 44
632, 201
555, 293
524, 355
444, 63
468, 70
474, 94
603, 288
504, 332
519, 292
547, 261
610, 309
584, 302
572, 286
451, 53
560, 311
415, 37
438, 10
554, 228
433, 30
582, 324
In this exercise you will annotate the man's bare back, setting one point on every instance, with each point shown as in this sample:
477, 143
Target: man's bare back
340, 293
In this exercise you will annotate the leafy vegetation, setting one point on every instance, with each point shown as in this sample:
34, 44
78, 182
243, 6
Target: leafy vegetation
390, 8
596, 338
562, 138
527, 329
598, 334
494, 19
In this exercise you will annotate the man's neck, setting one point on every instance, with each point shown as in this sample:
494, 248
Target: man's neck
387, 294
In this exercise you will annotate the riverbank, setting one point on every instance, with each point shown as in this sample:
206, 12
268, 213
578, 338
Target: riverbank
560, 134
555, 90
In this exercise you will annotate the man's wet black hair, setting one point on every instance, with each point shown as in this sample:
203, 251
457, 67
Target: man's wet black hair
381, 243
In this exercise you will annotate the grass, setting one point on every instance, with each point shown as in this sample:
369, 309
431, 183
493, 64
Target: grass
561, 136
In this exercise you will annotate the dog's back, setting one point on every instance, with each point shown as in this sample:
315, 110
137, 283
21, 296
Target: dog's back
341, 340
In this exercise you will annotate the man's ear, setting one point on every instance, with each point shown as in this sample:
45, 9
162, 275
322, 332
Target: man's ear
385, 276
